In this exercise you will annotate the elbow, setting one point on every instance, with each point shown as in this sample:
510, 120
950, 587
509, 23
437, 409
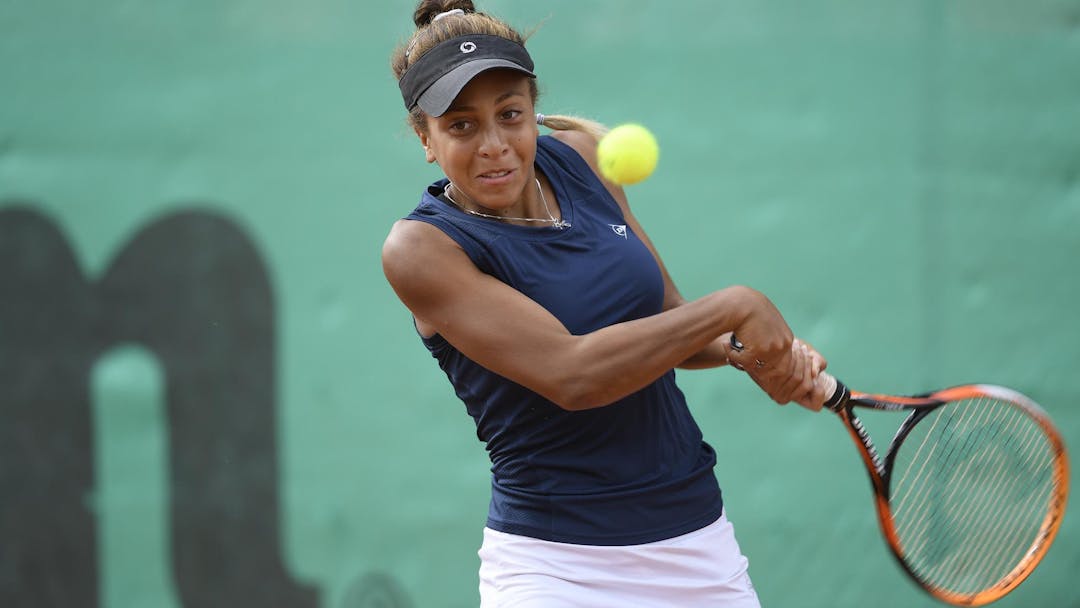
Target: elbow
583, 378
578, 393
580, 402
577, 403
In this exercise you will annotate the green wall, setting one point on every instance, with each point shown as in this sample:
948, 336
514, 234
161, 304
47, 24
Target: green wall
902, 178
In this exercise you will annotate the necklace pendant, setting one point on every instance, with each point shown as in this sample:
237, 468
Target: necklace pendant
561, 224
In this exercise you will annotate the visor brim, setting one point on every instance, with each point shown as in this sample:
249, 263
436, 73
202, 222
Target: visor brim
438, 97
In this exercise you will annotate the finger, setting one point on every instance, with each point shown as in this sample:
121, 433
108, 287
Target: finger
819, 360
785, 369
816, 400
802, 377
812, 395
789, 375
737, 359
806, 387
811, 402
727, 343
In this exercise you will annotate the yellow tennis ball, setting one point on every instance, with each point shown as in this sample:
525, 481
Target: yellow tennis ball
627, 154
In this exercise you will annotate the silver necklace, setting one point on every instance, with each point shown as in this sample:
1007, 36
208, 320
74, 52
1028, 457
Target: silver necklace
550, 219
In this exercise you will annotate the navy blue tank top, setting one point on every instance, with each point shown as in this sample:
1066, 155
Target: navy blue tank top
632, 472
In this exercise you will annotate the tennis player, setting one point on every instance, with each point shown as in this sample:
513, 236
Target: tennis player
550, 311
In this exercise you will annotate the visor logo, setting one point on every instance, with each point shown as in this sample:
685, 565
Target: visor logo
468, 47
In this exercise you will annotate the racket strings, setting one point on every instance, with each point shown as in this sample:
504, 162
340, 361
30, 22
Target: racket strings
920, 496
971, 488
991, 552
942, 556
921, 499
922, 533
946, 529
1029, 499
976, 527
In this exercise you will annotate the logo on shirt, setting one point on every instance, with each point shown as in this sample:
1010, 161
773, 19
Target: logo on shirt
619, 229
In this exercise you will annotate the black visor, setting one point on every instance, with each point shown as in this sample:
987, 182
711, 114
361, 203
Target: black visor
436, 78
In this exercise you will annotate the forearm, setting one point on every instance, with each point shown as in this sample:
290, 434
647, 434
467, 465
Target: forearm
713, 355
616, 361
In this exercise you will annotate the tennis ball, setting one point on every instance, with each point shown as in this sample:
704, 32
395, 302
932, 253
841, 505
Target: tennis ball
627, 154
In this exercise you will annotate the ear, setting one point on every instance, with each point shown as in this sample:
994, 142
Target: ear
425, 142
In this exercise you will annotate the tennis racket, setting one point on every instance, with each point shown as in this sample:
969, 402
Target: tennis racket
972, 489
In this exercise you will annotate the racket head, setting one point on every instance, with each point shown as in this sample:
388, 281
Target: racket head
972, 491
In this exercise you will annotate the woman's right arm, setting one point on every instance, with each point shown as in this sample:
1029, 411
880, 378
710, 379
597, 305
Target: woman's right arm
506, 332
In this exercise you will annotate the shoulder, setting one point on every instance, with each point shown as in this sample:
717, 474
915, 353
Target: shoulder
427, 270
413, 246
581, 142
585, 145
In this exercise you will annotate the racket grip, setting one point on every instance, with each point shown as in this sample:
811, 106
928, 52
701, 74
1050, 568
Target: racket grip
838, 393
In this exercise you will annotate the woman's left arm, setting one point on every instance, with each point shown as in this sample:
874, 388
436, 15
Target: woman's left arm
716, 353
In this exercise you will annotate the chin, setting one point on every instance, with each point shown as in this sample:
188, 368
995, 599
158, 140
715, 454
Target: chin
499, 197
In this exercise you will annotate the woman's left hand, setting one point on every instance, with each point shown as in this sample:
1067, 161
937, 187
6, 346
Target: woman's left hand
791, 378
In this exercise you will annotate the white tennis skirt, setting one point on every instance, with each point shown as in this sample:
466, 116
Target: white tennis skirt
701, 569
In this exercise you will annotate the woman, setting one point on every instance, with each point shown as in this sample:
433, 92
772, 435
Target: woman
535, 288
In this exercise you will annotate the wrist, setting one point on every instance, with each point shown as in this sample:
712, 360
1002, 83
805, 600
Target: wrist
740, 303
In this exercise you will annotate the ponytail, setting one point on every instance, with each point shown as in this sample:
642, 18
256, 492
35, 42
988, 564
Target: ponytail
561, 122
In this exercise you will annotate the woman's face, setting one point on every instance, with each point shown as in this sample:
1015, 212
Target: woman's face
486, 140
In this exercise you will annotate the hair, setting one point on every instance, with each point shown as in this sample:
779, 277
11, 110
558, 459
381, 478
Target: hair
429, 33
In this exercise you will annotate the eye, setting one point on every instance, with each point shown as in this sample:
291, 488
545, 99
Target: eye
459, 126
511, 114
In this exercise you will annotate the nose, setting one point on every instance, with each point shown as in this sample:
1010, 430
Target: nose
493, 143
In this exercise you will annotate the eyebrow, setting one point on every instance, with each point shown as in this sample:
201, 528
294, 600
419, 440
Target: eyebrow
500, 99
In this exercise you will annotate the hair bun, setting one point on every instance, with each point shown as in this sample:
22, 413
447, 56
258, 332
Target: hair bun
427, 10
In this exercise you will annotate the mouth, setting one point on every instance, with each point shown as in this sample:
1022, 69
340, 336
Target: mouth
497, 176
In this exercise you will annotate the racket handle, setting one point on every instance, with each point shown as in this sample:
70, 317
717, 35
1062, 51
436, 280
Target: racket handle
838, 393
